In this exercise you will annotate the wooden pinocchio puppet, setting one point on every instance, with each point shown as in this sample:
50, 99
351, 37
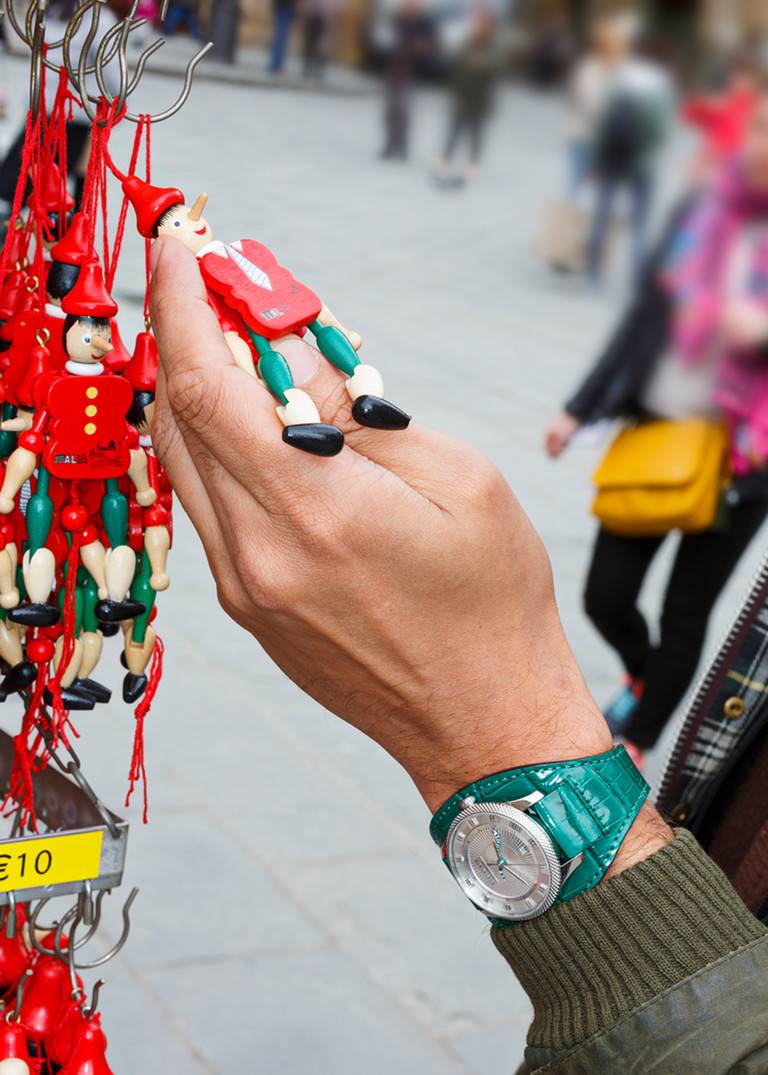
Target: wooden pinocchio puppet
258, 303
151, 534
80, 436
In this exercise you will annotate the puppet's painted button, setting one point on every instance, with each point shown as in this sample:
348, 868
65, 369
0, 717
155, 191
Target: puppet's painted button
90, 411
89, 428
92, 392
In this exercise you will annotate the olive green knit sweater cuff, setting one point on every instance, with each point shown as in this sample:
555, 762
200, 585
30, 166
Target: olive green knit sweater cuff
590, 961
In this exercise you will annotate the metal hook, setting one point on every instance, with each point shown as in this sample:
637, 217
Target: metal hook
120, 943
93, 1007
10, 918
127, 86
75, 913
13, 1017
36, 35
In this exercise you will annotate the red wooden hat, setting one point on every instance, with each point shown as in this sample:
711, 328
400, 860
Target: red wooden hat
149, 202
53, 193
74, 248
89, 297
142, 369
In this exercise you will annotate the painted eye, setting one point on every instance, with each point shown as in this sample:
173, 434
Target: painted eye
177, 223
86, 339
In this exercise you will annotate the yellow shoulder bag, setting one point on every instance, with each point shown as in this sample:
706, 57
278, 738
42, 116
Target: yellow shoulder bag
659, 476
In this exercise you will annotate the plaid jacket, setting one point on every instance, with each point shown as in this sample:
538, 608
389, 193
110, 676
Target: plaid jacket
726, 720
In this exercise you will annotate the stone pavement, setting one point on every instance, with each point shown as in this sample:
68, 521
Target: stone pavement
294, 917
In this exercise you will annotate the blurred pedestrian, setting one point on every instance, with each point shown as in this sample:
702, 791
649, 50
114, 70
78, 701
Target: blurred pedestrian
723, 116
471, 89
315, 23
631, 128
283, 14
693, 345
413, 45
587, 92
182, 15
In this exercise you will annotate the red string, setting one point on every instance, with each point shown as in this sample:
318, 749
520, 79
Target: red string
148, 242
21, 182
124, 207
21, 792
138, 770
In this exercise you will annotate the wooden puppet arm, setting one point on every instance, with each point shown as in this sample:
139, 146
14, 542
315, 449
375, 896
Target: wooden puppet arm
23, 421
18, 469
327, 318
241, 352
138, 473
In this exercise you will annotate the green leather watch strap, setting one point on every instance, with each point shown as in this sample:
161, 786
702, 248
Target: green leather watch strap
587, 808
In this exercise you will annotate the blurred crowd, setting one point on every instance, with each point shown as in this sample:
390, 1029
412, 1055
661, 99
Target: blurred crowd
683, 377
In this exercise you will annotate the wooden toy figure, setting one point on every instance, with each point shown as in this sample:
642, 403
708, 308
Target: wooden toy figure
258, 302
153, 528
79, 435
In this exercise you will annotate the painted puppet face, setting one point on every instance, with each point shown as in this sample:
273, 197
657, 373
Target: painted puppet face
88, 340
187, 224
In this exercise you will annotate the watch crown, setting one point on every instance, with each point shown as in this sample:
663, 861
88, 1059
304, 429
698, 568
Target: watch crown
469, 801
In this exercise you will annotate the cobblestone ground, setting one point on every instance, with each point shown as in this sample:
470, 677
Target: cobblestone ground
293, 915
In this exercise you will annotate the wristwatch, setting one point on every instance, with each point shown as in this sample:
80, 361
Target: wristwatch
520, 841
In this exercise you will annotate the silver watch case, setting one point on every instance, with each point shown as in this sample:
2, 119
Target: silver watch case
513, 892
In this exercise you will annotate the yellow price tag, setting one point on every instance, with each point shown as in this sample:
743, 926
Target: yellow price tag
49, 860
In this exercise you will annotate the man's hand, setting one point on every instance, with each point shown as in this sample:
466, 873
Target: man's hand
400, 583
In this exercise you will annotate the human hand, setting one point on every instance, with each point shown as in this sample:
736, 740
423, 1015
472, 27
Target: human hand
400, 584
559, 434
745, 324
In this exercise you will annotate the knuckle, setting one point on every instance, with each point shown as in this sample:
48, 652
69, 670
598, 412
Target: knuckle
271, 584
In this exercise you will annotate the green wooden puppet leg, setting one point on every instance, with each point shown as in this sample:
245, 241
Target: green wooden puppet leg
273, 369
114, 512
7, 438
142, 591
40, 613
365, 388
303, 428
90, 598
39, 513
335, 346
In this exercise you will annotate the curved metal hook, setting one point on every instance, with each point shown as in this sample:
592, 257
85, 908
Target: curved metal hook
13, 1016
11, 13
11, 919
93, 1007
76, 912
181, 100
119, 944
36, 38
33, 927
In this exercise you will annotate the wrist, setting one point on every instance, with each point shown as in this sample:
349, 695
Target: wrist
558, 722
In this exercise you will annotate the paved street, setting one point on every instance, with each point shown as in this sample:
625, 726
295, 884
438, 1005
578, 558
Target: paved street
294, 917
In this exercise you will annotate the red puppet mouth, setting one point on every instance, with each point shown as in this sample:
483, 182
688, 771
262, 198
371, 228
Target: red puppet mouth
202, 231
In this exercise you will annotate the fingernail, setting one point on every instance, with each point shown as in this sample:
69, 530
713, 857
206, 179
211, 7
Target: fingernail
303, 360
155, 250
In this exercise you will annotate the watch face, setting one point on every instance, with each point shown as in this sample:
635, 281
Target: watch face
504, 861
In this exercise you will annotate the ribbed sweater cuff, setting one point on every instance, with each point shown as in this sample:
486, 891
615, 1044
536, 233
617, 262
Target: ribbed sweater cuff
591, 960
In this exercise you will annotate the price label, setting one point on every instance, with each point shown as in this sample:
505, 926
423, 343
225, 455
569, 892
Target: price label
49, 860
